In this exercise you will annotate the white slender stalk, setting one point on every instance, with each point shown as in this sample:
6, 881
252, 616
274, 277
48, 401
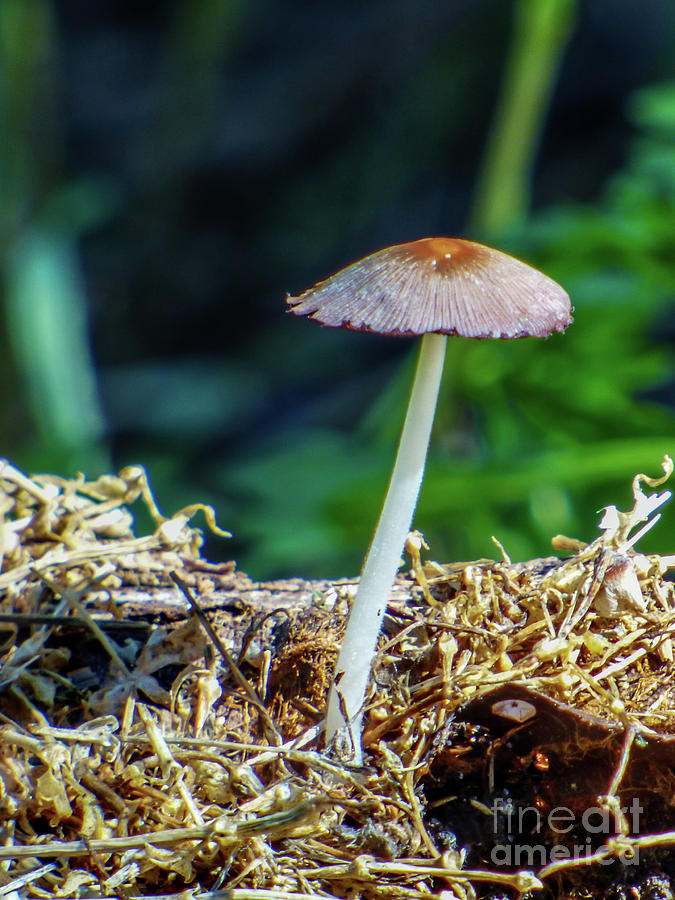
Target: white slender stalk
384, 556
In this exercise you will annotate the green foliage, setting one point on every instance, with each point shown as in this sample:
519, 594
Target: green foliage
531, 437
46, 364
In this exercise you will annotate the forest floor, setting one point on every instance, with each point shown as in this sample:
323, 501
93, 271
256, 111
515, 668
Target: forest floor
161, 716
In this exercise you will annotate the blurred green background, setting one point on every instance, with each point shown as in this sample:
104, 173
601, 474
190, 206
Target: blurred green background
169, 170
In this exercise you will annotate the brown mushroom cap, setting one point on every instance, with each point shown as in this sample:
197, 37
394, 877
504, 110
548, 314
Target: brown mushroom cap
443, 285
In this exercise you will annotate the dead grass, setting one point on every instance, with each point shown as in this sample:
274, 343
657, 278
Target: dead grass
151, 758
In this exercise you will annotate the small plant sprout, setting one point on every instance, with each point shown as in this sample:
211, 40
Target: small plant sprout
433, 287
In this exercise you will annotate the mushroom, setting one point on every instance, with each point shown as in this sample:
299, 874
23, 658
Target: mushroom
433, 287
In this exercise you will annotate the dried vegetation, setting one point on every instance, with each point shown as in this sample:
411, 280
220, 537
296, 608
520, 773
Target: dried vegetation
160, 716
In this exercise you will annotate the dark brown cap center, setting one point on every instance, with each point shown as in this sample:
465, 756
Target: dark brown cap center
443, 252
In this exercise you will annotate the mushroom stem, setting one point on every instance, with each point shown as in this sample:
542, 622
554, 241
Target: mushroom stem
384, 556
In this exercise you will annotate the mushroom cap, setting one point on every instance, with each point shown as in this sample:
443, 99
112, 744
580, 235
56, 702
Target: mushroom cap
442, 285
